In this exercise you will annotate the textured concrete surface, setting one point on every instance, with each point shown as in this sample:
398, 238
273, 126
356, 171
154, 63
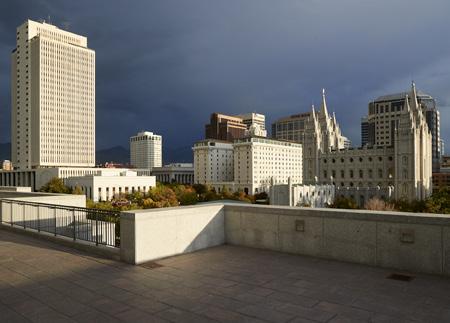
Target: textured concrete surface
44, 282
157, 233
406, 241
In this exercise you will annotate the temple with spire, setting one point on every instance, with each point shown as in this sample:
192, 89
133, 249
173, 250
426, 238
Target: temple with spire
396, 166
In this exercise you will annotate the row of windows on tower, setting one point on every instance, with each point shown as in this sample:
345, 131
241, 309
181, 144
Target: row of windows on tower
360, 159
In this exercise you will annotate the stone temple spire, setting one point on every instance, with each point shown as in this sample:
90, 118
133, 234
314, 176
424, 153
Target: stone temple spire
407, 106
414, 103
323, 107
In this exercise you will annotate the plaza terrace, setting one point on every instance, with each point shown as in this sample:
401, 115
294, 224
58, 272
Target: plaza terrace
222, 263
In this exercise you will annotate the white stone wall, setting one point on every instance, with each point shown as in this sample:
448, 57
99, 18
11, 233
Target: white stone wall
152, 234
302, 195
104, 188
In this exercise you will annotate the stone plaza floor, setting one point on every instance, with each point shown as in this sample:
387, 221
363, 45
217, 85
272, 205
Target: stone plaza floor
44, 282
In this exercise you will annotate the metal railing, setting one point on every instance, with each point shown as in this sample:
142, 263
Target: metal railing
96, 226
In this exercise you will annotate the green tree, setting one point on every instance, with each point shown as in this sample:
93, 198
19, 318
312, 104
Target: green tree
55, 185
439, 202
163, 196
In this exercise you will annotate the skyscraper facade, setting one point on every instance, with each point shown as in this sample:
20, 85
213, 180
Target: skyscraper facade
224, 127
364, 131
53, 98
294, 128
146, 150
384, 115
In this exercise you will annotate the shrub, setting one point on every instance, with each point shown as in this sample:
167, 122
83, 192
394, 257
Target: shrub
56, 185
342, 202
200, 188
377, 204
261, 196
163, 196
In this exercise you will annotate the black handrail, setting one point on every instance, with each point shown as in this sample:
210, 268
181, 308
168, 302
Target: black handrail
101, 227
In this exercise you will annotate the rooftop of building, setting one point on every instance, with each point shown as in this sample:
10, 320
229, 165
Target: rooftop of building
42, 281
401, 96
250, 139
146, 133
294, 116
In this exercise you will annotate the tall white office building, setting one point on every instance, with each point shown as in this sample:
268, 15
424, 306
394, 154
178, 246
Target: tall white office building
146, 150
53, 98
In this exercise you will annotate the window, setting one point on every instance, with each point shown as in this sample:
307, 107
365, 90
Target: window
361, 173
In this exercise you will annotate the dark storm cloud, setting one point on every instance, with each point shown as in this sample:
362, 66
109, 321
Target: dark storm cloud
166, 65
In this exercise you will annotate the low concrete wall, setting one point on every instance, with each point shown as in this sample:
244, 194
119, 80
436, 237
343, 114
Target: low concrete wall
405, 241
147, 235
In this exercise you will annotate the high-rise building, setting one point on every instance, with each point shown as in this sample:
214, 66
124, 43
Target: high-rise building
384, 115
224, 127
364, 131
53, 98
213, 161
255, 120
293, 128
146, 150
249, 164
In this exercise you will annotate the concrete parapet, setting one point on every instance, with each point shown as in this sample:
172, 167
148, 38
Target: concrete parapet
404, 241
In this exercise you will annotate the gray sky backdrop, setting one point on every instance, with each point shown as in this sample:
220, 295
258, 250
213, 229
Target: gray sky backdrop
165, 65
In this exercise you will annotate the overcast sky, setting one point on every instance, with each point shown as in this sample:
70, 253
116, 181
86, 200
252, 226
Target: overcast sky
165, 65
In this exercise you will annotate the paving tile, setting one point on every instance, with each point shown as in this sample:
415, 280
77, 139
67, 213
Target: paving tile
265, 313
223, 302
10, 316
227, 316
347, 311
182, 316
146, 304
41, 281
137, 316
306, 312
109, 306
94, 316
293, 299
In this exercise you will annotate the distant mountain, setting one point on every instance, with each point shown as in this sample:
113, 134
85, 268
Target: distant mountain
117, 154
5, 151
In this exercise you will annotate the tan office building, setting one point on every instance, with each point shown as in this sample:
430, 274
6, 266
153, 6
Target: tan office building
53, 98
